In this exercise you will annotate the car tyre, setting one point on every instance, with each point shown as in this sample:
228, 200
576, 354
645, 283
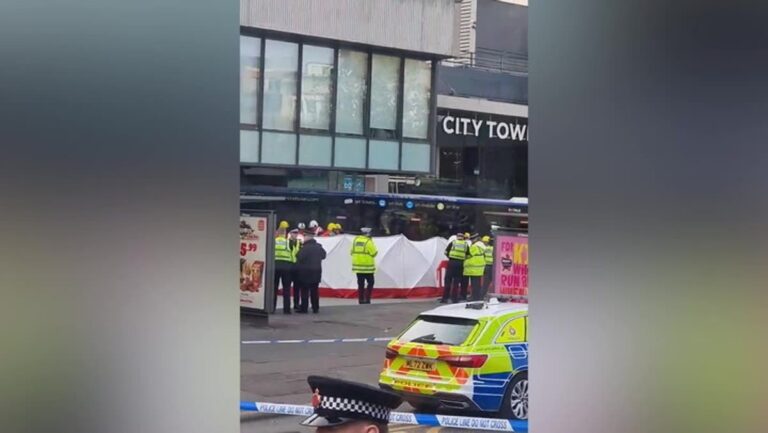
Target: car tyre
515, 402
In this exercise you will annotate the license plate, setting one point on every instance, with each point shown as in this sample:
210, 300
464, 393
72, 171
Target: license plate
418, 364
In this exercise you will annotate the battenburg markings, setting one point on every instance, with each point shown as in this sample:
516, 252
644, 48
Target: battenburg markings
316, 341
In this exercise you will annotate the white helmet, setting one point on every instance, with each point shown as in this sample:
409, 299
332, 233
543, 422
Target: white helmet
302, 226
313, 224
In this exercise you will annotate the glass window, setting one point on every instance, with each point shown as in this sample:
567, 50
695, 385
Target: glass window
452, 331
278, 148
349, 152
513, 331
315, 150
385, 79
415, 157
416, 93
350, 96
383, 155
316, 87
249, 146
280, 71
250, 57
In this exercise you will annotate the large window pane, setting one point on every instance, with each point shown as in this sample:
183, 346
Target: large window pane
383, 155
315, 150
249, 146
281, 63
385, 80
278, 148
250, 57
349, 152
416, 92
415, 157
316, 87
350, 96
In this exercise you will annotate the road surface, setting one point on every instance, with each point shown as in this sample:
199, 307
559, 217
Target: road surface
277, 373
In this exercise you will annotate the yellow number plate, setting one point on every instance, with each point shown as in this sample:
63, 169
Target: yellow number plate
419, 364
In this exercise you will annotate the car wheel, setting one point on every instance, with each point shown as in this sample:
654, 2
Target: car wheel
515, 403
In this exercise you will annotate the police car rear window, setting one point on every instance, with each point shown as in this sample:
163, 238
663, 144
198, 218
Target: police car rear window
452, 331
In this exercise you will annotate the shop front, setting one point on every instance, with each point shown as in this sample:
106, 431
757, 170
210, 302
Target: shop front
481, 154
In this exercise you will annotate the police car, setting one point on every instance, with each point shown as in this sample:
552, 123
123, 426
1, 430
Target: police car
471, 357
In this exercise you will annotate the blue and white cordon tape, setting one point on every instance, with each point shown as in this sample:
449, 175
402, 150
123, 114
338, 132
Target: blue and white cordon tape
465, 422
330, 340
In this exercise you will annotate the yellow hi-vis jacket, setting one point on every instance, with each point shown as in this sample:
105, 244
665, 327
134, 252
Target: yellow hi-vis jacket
363, 255
458, 250
488, 253
474, 265
282, 252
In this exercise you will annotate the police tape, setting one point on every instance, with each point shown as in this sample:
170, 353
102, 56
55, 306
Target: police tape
466, 422
317, 341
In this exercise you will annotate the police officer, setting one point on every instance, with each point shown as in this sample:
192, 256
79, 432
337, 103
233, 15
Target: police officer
310, 271
284, 259
341, 406
474, 266
457, 253
488, 273
294, 244
364, 264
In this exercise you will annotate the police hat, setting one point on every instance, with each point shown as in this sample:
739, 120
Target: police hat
366, 230
338, 402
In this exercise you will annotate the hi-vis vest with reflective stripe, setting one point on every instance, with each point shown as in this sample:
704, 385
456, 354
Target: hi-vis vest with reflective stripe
295, 249
458, 250
282, 252
363, 255
474, 265
488, 255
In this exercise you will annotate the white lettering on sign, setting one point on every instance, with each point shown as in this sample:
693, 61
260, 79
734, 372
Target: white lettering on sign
491, 124
504, 130
477, 124
446, 120
519, 132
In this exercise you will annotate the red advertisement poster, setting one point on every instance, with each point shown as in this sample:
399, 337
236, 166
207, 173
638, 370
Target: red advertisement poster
253, 247
511, 265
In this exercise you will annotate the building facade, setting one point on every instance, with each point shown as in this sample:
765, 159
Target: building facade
352, 107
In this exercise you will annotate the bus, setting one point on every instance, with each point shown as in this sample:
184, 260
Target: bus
418, 217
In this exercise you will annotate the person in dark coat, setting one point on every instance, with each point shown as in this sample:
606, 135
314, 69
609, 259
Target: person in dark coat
309, 270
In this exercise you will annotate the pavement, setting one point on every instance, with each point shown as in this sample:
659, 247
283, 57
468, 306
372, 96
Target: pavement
277, 373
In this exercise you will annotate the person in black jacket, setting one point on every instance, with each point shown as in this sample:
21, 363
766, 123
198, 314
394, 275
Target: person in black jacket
310, 271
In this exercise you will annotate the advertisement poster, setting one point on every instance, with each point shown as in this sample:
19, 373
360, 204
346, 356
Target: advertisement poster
253, 247
511, 263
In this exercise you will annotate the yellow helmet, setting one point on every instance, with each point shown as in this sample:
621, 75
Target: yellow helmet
486, 239
283, 225
330, 227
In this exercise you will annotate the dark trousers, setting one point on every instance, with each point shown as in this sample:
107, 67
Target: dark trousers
296, 289
364, 293
310, 285
477, 288
452, 280
283, 275
310, 292
487, 279
464, 286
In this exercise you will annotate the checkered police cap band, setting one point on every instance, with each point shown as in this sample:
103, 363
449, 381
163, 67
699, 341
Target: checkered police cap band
339, 404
